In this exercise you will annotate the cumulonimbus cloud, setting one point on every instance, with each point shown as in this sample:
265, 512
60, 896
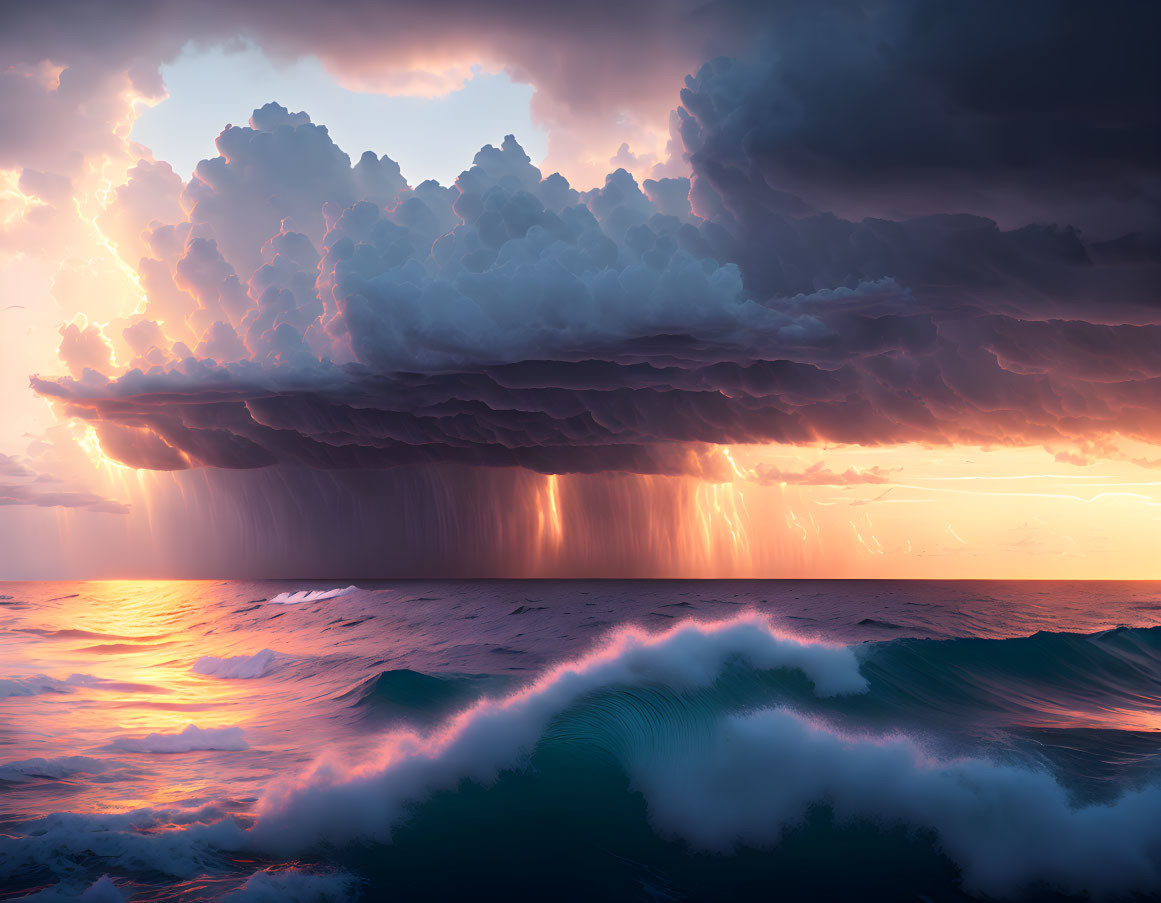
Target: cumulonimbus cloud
509, 320
315, 312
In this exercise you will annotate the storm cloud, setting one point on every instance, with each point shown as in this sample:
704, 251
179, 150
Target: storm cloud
1023, 112
873, 255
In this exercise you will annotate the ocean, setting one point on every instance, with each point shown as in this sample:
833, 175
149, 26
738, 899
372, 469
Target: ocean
580, 740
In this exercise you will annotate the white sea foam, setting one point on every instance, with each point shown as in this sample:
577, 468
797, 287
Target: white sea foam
344, 804
1006, 826
237, 667
138, 840
311, 595
190, 739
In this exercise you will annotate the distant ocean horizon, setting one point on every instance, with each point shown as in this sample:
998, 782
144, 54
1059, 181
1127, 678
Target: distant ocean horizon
521, 739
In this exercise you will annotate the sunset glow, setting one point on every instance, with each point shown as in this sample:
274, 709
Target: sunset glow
515, 451
1014, 465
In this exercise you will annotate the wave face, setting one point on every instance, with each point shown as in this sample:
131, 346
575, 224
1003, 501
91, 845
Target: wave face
707, 750
237, 667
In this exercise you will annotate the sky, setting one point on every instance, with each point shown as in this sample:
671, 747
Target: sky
855, 289
430, 137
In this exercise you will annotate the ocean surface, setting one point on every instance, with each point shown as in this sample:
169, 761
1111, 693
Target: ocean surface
580, 740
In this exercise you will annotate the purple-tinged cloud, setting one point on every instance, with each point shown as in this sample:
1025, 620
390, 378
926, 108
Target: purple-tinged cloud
897, 234
38, 495
821, 475
509, 321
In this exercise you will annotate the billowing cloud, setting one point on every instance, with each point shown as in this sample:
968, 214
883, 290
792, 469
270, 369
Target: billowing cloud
510, 321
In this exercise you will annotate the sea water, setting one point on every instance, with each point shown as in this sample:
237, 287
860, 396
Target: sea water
579, 740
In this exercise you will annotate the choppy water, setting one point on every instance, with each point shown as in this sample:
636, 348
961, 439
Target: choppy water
627, 740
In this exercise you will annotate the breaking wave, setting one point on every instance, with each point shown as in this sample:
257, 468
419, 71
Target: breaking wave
770, 754
311, 595
236, 667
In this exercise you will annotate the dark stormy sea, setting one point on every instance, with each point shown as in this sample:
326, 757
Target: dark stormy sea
580, 740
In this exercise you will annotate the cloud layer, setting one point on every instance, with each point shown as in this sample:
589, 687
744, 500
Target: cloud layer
894, 232
509, 320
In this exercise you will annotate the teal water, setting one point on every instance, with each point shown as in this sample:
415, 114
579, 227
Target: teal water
626, 740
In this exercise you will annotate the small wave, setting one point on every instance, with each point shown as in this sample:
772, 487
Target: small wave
188, 740
103, 890
237, 667
293, 885
882, 625
32, 686
142, 840
39, 684
74, 633
1095, 679
419, 698
311, 595
119, 648
55, 769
